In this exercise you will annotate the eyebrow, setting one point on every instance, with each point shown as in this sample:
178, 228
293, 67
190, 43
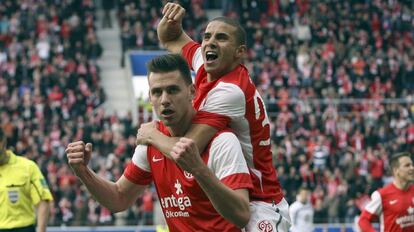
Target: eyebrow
218, 34
166, 87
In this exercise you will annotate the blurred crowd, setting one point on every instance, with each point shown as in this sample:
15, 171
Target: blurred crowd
337, 77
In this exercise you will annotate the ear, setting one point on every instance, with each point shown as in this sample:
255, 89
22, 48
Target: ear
241, 51
149, 96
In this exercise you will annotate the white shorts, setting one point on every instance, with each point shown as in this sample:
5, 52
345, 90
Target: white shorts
268, 217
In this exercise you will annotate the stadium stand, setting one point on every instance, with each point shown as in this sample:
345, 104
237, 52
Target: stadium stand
338, 78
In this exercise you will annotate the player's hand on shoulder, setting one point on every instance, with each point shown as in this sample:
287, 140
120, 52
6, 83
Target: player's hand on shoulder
78, 154
185, 153
145, 132
173, 12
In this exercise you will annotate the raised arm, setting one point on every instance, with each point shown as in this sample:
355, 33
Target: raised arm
170, 31
114, 196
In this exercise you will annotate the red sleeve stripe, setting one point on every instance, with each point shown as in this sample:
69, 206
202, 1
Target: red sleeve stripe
217, 121
188, 52
136, 175
365, 220
238, 181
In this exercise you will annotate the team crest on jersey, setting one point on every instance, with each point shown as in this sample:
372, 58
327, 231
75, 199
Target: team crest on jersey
178, 188
13, 196
265, 226
188, 175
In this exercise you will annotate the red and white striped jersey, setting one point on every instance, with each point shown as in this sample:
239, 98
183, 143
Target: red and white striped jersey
183, 202
234, 101
393, 206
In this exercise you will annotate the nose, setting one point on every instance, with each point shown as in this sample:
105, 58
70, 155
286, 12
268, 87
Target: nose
211, 42
165, 99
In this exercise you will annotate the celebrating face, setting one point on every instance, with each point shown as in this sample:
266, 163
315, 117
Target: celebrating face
171, 97
405, 170
220, 49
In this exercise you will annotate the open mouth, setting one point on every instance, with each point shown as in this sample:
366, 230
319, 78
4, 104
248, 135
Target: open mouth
167, 112
211, 56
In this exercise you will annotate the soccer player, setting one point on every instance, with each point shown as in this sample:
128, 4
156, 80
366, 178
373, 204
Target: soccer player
22, 186
301, 212
394, 203
225, 96
197, 192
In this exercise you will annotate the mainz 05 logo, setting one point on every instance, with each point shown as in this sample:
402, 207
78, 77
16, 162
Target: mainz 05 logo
265, 226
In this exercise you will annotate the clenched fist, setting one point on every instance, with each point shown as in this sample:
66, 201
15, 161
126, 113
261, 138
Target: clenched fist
78, 155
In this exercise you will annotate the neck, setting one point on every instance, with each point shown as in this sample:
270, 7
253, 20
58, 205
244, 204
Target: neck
4, 158
211, 76
183, 126
403, 185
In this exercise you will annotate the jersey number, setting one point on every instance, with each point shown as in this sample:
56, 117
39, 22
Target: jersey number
260, 109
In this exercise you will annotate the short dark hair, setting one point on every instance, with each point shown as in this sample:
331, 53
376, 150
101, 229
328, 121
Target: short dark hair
394, 161
169, 63
240, 32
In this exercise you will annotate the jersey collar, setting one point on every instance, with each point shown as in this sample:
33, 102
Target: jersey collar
12, 156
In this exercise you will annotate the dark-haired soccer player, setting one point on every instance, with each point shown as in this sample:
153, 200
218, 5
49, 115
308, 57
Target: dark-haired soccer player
394, 203
225, 97
198, 191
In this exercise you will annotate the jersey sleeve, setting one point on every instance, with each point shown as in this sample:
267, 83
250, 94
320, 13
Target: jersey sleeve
223, 103
139, 171
375, 205
192, 53
227, 162
39, 190
372, 210
217, 121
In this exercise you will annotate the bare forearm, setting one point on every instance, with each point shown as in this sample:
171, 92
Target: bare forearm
104, 191
42, 216
168, 31
231, 204
201, 134
163, 143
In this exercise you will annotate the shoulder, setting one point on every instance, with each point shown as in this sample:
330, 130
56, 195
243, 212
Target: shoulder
225, 99
227, 91
225, 137
386, 190
239, 76
24, 164
140, 157
25, 161
225, 147
294, 206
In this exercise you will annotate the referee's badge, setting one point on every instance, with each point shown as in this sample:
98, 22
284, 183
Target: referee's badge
13, 196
